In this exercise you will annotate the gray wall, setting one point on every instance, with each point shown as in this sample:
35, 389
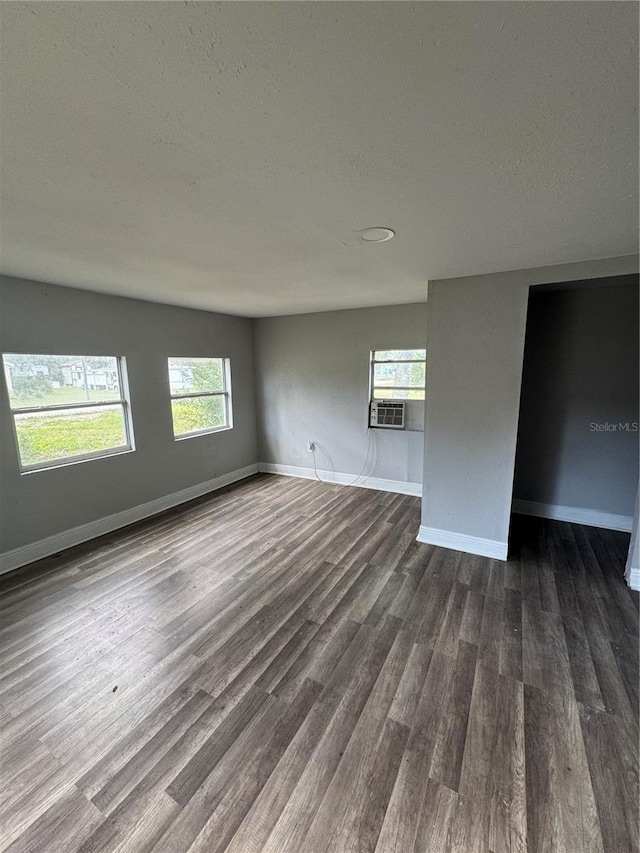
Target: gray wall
313, 384
580, 367
632, 569
476, 337
476, 330
36, 317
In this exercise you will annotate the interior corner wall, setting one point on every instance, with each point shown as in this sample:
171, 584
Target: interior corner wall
43, 318
475, 330
632, 568
312, 379
578, 433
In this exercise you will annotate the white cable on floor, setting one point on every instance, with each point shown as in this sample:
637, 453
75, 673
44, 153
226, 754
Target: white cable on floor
362, 470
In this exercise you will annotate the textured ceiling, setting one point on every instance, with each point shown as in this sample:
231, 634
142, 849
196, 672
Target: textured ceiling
224, 156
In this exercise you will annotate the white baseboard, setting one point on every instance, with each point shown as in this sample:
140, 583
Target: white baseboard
576, 515
460, 542
398, 486
76, 535
633, 578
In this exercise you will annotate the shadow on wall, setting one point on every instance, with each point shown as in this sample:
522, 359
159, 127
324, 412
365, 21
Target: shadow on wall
577, 434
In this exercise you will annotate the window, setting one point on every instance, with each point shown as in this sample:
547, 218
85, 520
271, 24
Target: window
200, 395
67, 408
398, 374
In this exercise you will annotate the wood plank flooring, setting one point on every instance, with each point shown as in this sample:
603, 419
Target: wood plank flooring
282, 668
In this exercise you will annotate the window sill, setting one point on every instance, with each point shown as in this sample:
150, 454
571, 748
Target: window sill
391, 429
74, 460
200, 432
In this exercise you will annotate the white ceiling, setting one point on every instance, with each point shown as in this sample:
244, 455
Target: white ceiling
223, 156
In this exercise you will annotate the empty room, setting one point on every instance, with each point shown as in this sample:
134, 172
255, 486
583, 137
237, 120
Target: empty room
319, 427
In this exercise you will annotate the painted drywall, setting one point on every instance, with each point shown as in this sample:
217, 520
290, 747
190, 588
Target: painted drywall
476, 332
43, 318
580, 383
632, 568
312, 373
476, 335
237, 148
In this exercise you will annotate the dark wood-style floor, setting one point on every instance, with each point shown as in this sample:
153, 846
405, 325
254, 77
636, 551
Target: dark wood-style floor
282, 668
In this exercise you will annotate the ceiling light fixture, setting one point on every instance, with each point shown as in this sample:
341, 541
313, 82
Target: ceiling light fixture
377, 235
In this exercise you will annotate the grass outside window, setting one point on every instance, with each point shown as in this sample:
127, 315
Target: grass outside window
200, 391
66, 408
398, 374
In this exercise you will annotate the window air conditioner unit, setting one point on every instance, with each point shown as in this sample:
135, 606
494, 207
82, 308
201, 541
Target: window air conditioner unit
388, 414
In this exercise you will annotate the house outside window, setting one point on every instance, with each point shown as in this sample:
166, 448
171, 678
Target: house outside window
200, 393
67, 408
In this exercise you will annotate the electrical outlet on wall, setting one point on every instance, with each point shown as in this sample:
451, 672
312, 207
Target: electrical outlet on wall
310, 447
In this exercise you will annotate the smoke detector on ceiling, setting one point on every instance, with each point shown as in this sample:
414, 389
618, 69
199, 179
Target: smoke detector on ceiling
377, 235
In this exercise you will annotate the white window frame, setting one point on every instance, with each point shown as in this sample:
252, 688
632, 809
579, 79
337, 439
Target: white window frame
122, 401
225, 393
373, 387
